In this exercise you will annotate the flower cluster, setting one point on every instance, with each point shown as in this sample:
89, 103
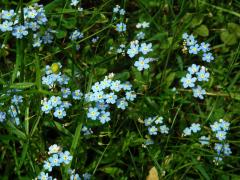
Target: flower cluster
194, 48
34, 17
56, 159
53, 78
220, 129
86, 131
45, 38
76, 176
196, 73
120, 27
153, 122
76, 35
194, 128
14, 109
106, 93
140, 49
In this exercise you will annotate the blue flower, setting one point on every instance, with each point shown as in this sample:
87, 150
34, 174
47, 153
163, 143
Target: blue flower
17, 99
198, 92
142, 63
146, 48
46, 107
44, 176
127, 86
159, 120
99, 96
55, 101
204, 140
65, 157
54, 149
122, 103
148, 121
65, 92
47, 166
102, 106
19, 31
188, 81
227, 151
77, 94
75, 177
218, 147
187, 131
86, 176
2, 116
215, 127
54, 160
111, 98
208, 57
195, 127
221, 135
204, 47
93, 113
5, 14
74, 2
202, 75
193, 69
194, 49
76, 35
131, 95
140, 35
185, 36
121, 27
164, 129
122, 11
224, 125
104, 117
133, 50
191, 40
59, 112
116, 86
6, 26
152, 130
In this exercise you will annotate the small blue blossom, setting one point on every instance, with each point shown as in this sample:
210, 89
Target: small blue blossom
133, 50
116, 86
122, 103
199, 92
74, 2
202, 75
142, 63
55, 101
191, 40
204, 140
93, 113
193, 69
204, 47
187, 131
188, 81
59, 112
148, 121
140, 35
208, 57
44, 176
46, 107
104, 117
65, 92
195, 127
164, 129
2, 116
159, 120
121, 27
76, 35
47, 166
6, 26
194, 49
152, 130
54, 149
17, 99
221, 135
146, 48
54, 160
19, 31
111, 98
77, 94
216, 126
8, 15
75, 177
65, 157
86, 176
131, 95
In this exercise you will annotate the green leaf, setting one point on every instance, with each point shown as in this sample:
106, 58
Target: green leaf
228, 38
61, 34
196, 21
234, 28
202, 31
24, 85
